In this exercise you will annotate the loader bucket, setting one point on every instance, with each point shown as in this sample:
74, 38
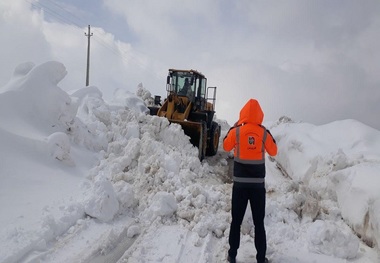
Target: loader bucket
197, 131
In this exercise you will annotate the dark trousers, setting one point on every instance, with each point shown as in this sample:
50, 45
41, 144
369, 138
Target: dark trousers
240, 197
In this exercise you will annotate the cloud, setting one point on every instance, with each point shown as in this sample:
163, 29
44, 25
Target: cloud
22, 39
164, 22
30, 37
316, 61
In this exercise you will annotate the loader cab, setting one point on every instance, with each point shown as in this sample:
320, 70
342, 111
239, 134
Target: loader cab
188, 83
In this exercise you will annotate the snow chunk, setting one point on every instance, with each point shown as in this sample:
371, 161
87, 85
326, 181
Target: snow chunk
125, 194
325, 237
59, 147
144, 94
91, 127
103, 204
361, 180
163, 204
126, 99
133, 231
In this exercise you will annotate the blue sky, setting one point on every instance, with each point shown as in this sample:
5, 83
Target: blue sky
314, 61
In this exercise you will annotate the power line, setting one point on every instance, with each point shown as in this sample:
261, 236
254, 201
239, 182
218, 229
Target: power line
62, 17
98, 39
69, 13
52, 12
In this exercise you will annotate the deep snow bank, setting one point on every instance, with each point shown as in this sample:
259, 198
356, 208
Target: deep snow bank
51, 137
337, 161
43, 107
39, 161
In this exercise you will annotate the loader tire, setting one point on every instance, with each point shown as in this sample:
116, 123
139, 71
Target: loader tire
213, 144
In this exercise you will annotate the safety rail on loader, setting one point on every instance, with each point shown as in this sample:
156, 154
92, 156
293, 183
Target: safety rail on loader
212, 99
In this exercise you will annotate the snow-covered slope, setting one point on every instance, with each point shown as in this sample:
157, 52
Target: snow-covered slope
84, 180
338, 161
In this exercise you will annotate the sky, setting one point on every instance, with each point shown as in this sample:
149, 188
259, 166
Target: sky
313, 61
84, 180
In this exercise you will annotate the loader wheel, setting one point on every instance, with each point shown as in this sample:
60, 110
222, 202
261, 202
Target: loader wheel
212, 147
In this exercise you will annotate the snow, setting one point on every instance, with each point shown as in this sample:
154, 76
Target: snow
340, 161
328, 238
85, 180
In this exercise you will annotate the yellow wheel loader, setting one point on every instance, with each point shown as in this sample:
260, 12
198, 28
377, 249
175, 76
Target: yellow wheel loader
191, 104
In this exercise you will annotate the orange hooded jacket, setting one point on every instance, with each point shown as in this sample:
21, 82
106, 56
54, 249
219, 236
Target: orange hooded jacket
249, 138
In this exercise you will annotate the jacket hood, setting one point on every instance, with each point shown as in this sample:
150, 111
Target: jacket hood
251, 113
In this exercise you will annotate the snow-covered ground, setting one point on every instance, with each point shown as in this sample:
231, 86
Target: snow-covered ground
84, 180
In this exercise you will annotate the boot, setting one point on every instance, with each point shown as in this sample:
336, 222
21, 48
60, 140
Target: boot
231, 260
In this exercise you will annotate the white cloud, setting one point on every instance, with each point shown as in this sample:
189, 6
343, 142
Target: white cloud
22, 39
315, 61
113, 64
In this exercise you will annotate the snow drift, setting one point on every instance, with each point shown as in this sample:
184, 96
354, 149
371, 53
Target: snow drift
86, 180
339, 161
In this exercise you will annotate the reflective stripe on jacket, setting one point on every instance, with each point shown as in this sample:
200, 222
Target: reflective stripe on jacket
250, 140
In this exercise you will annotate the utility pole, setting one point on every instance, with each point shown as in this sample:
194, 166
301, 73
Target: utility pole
88, 35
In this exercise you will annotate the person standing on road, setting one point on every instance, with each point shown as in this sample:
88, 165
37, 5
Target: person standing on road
250, 140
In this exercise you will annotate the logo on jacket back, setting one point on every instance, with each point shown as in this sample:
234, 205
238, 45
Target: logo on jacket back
251, 143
